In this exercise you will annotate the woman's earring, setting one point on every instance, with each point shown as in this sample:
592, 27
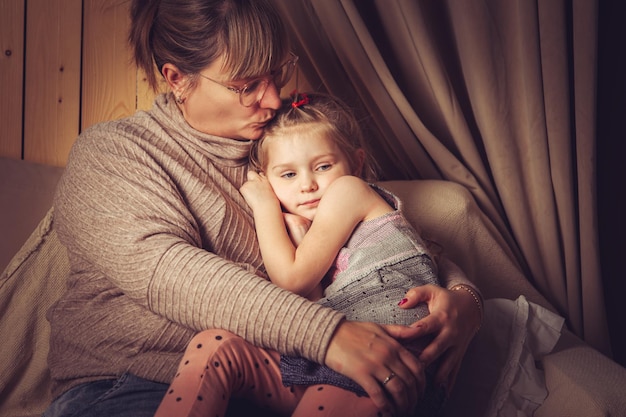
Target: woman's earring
180, 99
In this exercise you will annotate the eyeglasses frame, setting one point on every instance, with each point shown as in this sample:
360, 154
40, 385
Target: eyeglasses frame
292, 61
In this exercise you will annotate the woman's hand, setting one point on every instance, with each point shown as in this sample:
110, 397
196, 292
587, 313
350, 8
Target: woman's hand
391, 375
453, 321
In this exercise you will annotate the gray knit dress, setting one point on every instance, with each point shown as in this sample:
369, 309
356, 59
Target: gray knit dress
383, 259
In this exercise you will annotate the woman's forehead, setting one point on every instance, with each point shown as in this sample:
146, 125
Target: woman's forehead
242, 65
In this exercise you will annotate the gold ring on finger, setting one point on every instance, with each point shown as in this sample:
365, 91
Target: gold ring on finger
389, 378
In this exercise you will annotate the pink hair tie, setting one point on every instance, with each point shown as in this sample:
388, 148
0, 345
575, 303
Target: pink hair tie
304, 99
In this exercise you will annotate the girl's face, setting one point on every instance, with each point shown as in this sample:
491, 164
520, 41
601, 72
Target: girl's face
214, 109
300, 166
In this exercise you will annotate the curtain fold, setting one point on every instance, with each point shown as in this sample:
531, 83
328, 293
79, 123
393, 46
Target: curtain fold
594, 322
498, 96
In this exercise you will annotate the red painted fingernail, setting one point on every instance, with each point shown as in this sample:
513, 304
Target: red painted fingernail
403, 301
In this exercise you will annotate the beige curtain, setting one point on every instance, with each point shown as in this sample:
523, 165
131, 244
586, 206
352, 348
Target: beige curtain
496, 95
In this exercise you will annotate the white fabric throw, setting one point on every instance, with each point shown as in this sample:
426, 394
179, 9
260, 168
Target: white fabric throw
499, 376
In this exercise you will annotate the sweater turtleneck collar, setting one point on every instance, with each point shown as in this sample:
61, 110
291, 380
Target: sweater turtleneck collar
226, 151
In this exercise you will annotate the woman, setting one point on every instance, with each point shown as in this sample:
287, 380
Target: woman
162, 244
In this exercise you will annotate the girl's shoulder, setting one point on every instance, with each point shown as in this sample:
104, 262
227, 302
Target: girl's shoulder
350, 182
352, 194
349, 187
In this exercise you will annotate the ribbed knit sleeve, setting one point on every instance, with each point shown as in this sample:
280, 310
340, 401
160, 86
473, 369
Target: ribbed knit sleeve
452, 275
162, 245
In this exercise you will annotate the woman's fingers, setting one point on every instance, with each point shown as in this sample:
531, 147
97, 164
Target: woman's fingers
417, 295
368, 355
448, 369
452, 323
405, 382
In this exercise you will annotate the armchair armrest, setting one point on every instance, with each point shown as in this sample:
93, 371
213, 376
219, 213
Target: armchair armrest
582, 382
447, 213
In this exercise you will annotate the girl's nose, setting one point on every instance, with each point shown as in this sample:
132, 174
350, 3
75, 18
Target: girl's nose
308, 184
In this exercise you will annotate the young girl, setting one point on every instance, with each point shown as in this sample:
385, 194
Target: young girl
330, 236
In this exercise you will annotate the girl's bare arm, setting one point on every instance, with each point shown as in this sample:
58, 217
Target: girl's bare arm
347, 202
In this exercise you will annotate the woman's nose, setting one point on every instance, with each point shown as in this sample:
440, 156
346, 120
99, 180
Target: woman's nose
271, 98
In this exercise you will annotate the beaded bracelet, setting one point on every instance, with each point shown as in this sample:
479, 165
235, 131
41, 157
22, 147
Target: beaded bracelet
476, 297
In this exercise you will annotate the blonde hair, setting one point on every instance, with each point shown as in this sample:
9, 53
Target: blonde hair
192, 34
331, 117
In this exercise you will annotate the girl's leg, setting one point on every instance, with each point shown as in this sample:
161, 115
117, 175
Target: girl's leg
218, 365
329, 400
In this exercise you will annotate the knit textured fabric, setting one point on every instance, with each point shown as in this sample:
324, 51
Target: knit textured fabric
162, 245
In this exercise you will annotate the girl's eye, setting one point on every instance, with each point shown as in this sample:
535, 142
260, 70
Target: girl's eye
288, 175
324, 167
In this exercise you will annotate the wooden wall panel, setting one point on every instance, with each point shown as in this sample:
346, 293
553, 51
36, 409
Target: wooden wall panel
11, 76
109, 77
54, 84
52, 93
145, 95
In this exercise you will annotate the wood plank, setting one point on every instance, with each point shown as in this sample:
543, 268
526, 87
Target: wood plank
11, 76
52, 93
145, 94
109, 76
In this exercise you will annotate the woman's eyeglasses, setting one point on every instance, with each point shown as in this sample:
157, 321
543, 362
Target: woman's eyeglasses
253, 91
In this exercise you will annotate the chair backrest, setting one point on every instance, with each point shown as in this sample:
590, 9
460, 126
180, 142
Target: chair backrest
34, 279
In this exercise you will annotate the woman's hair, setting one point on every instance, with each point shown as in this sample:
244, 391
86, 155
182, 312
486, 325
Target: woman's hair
325, 115
192, 34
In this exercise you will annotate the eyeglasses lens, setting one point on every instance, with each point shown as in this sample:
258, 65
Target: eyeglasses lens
256, 89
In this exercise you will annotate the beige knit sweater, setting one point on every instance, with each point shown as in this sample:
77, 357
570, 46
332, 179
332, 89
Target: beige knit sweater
162, 245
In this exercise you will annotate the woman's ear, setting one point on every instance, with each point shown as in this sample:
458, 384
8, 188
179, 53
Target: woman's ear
176, 80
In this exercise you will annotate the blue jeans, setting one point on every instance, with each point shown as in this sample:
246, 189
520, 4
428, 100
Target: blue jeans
127, 396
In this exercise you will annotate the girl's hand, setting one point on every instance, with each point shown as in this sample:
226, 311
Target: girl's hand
257, 190
366, 353
453, 321
297, 226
